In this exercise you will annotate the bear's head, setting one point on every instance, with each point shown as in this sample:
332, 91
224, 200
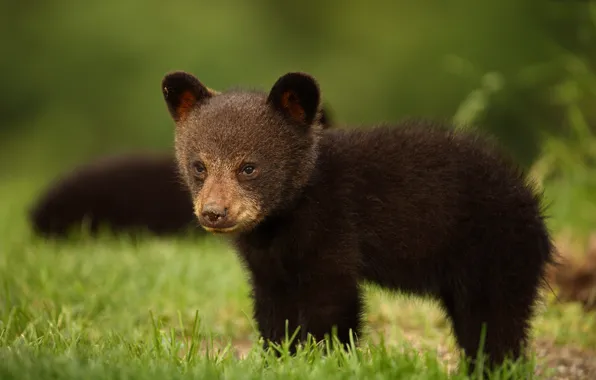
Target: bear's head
244, 155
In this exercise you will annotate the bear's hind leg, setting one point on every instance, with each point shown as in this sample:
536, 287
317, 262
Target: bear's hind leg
503, 312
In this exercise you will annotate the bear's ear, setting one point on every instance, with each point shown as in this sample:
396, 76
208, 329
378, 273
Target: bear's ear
296, 95
324, 117
182, 92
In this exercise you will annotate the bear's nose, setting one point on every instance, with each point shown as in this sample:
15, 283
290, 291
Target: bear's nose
214, 214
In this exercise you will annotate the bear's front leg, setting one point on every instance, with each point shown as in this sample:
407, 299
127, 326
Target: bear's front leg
273, 310
317, 307
334, 302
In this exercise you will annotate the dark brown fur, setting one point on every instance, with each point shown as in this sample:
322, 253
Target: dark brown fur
415, 207
133, 192
125, 193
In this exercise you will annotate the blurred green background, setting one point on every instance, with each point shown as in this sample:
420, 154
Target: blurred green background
81, 79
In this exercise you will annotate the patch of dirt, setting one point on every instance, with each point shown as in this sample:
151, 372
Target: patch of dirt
564, 362
575, 278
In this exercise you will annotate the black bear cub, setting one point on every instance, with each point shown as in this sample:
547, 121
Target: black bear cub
416, 208
135, 192
125, 193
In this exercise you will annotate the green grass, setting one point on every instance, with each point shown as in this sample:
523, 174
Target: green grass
179, 308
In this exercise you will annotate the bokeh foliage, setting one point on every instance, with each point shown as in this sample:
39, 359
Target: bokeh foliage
81, 79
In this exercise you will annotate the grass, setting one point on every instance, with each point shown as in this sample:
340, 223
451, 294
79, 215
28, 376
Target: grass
114, 307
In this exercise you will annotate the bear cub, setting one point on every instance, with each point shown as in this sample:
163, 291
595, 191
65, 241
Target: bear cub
135, 192
313, 213
126, 193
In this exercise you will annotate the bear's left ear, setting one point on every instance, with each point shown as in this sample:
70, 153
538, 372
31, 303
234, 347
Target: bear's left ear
324, 118
296, 95
182, 92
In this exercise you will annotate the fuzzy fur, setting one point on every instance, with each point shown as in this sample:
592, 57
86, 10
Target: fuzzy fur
414, 207
125, 193
136, 192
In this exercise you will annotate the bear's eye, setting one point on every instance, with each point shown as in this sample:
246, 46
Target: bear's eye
198, 169
248, 169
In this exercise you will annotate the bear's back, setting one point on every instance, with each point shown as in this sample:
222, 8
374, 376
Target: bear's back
409, 196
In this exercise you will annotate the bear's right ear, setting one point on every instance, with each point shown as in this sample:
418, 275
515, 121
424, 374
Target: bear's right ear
182, 92
296, 95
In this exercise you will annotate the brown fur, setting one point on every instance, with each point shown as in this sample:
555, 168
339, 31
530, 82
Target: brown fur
139, 192
289, 103
414, 207
186, 103
126, 193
